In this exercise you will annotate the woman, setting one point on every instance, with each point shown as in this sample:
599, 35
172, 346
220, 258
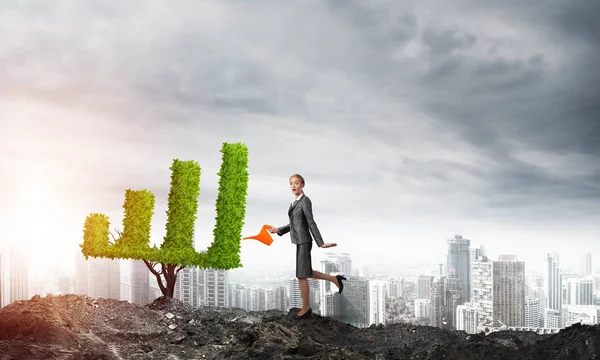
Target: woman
301, 222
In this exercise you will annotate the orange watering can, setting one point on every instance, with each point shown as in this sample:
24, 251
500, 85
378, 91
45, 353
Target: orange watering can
264, 236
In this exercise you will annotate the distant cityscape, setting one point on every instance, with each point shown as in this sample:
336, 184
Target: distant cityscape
471, 291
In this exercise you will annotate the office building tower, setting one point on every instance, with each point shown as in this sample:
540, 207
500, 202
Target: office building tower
585, 265
553, 282
2, 280
81, 273
104, 278
532, 313
580, 291
437, 306
453, 297
353, 303
481, 293
458, 258
139, 283
424, 286
467, 318
186, 287
19, 282
422, 308
377, 313
281, 298
508, 291
396, 288
216, 285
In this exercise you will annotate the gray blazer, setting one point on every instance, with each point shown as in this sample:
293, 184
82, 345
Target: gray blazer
301, 221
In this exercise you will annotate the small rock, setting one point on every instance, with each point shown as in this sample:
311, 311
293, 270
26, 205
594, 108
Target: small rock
146, 348
178, 339
307, 347
169, 316
172, 326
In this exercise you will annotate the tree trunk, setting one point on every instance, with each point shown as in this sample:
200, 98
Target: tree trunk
169, 272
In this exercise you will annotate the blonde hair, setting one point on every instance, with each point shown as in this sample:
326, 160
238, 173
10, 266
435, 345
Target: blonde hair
299, 177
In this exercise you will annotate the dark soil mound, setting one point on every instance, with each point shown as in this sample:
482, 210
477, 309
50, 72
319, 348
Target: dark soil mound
79, 327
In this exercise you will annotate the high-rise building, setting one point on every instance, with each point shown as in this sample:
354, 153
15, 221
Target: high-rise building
353, 303
396, 288
437, 306
81, 273
481, 293
508, 296
424, 286
139, 283
580, 291
186, 287
2, 280
532, 312
459, 258
104, 278
585, 264
216, 288
467, 318
553, 282
452, 298
422, 308
18, 274
377, 313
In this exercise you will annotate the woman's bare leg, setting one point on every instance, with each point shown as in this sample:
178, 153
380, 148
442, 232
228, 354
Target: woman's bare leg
305, 291
321, 276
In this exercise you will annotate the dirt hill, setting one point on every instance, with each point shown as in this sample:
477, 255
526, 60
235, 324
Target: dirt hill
79, 327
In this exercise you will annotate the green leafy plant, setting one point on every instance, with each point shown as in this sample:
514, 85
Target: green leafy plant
177, 251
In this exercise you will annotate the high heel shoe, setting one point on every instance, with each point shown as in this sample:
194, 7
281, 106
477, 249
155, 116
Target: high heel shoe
305, 315
339, 279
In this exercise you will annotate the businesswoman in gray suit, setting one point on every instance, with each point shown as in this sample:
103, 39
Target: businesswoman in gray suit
301, 222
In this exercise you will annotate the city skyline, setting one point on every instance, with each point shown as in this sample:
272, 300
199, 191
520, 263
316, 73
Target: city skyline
411, 122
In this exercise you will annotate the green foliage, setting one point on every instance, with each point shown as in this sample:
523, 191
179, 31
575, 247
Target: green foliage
224, 253
177, 247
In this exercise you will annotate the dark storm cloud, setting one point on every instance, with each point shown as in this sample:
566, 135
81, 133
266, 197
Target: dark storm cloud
354, 60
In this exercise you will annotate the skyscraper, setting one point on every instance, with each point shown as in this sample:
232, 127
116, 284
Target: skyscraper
18, 274
353, 303
81, 273
424, 286
104, 278
139, 283
467, 318
508, 294
553, 282
186, 287
452, 298
216, 288
532, 312
458, 258
580, 291
481, 295
585, 264
376, 302
437, 307
2, 281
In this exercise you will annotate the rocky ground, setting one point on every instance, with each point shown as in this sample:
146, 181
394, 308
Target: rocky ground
79, 327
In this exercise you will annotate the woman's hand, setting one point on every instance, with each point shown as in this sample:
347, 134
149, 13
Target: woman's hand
328, 245
272, 229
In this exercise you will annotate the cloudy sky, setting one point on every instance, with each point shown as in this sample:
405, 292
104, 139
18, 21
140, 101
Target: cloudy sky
411, 122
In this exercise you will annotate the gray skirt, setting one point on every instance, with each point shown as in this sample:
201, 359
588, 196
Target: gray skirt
303, 260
